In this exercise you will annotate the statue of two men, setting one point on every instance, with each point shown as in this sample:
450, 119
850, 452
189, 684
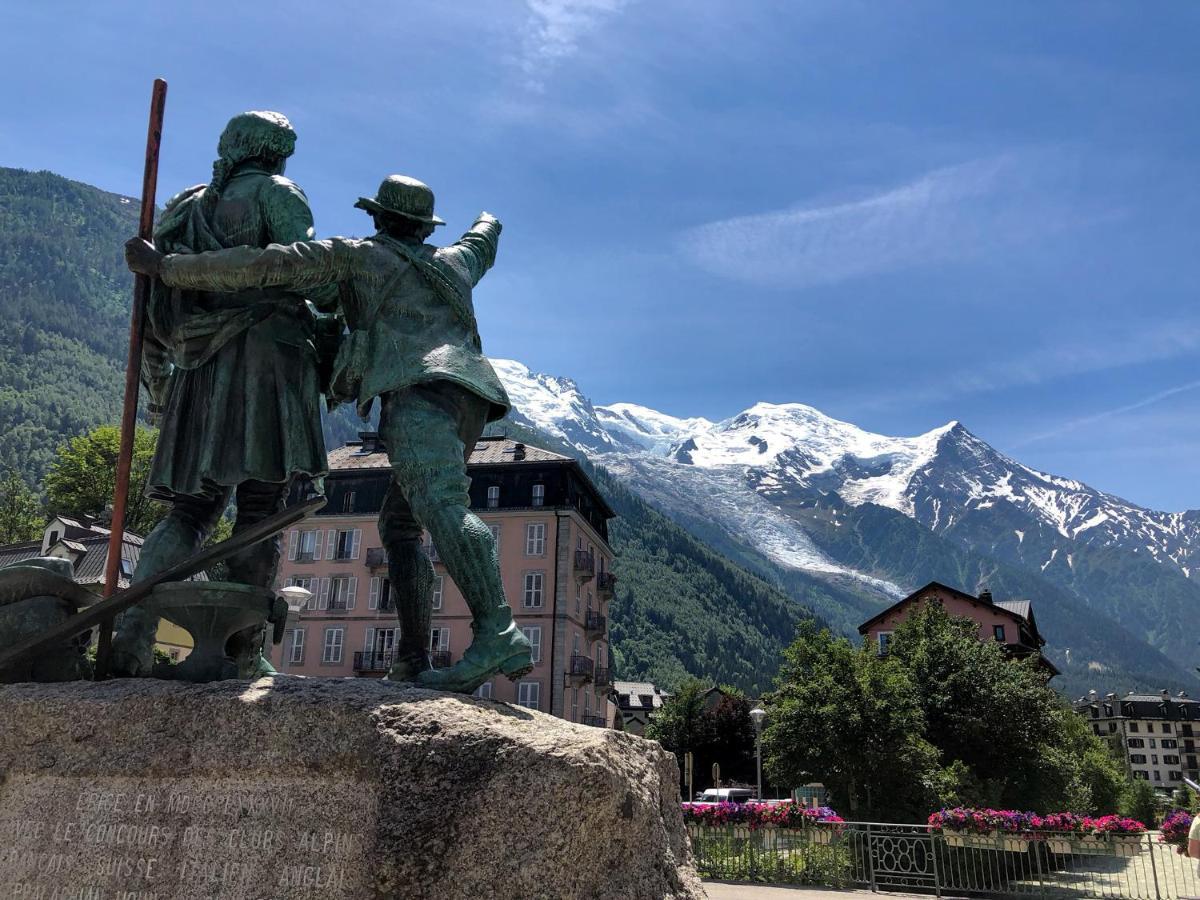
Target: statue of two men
413, 343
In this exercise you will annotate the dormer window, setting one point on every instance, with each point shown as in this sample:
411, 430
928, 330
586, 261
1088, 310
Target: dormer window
493, 496
539, 495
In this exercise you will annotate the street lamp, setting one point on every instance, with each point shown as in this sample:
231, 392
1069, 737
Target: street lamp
756, 716
296, 599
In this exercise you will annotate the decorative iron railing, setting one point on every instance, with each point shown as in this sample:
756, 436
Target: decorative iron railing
373, 661
916, 858
595, 623
585, 564
605, 582
594, 721
440, 659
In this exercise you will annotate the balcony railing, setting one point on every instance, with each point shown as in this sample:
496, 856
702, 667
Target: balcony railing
595, 623
594, 721
440, 659
377, 558
337, 604
373, 661
579, 668
603, 676
585, 564
605, 582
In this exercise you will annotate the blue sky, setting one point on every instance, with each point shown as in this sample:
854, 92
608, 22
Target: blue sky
900, 213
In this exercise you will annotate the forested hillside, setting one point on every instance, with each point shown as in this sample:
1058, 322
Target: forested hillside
64, 300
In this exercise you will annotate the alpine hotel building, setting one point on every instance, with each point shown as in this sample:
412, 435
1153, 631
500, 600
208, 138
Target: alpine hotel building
551, 529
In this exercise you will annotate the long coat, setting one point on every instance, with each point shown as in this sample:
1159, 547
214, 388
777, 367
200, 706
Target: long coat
242, 398
408, 305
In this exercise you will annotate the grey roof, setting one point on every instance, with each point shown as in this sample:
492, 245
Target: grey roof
15, 553
635, 695
487, 451
1018, 607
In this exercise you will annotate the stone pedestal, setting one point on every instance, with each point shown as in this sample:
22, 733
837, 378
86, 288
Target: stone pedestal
329, 788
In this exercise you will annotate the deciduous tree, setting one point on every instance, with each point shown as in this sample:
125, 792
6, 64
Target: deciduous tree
21, 516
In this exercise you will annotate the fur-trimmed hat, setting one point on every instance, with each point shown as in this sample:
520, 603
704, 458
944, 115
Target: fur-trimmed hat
256, 133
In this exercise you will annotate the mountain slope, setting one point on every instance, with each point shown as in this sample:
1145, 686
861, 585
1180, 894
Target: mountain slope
790, 492
64, 312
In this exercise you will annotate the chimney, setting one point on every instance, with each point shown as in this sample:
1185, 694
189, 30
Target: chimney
371, 442
1110, 696
985, 596
1183, 695
1092, 695
1166, 695
518, 451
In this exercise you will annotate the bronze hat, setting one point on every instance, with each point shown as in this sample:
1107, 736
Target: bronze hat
400, 195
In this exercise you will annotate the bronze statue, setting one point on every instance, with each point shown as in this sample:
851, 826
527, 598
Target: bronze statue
234, 375
415, 344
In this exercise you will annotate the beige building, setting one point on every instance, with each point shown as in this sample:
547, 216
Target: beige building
551, 528
1156, 734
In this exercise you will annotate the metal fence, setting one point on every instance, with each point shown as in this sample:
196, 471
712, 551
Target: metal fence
916, 858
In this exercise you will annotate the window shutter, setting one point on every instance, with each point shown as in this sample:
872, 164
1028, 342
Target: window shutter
373, 594
354, 539
317, 544
444, 639
353, 592
369, 644
331, 542
293, 541
324, 602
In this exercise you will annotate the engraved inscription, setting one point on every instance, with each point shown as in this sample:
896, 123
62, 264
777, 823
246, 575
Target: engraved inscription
158, 838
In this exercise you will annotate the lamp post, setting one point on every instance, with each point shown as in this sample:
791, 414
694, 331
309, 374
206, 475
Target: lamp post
297, 599
756, 716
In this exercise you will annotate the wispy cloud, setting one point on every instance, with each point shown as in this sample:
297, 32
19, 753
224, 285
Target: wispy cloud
957, 212
553, 32
1084, 421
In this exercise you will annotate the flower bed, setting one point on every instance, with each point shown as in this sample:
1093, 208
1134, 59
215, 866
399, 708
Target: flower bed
1175, 828
1005, 829
762, 815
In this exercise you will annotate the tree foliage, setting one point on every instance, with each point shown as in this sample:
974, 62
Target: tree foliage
851, 720
943, 719
714, 726
82, 478
21, 516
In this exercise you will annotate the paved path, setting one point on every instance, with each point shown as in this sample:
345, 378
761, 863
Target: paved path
721, 890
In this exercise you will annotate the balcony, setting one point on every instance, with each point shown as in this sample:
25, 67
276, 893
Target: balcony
595, 624
585, 565
579, 669
440, 659
594, 721
603, 677
369, 663
605, 582
337, 604
377, 558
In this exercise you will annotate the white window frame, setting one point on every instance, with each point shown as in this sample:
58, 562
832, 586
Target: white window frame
493, 496
484, 691
534, 634
535, 539
442, 635
883, 640
439, 590
538, 495
296, 647
342, 588
333, 645
344, 543
575, 704
495, 530
529, 694
312, 538
533, 594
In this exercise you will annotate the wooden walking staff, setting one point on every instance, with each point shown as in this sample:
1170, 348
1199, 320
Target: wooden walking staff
133, 375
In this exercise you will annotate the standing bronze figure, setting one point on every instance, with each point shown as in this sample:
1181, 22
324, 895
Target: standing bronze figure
414, 343
234, 375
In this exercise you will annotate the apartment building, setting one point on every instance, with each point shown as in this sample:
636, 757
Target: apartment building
1156, 734
551, 529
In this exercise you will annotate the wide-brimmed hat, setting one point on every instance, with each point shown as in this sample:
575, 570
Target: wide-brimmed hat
400, 195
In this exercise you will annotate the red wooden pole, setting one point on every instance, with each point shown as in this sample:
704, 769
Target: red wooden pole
133, 374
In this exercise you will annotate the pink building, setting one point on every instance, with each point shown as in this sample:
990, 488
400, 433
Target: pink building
1010, 622
551, 528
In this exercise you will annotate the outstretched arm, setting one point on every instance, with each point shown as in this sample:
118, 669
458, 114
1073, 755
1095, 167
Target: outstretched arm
300, 266
475, 251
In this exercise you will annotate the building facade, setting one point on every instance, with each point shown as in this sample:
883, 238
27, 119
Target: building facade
636, 702
1009, 622
551, 530
1155, 734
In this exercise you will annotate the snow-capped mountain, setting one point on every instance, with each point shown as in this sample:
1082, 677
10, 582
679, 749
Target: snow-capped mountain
797, 487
